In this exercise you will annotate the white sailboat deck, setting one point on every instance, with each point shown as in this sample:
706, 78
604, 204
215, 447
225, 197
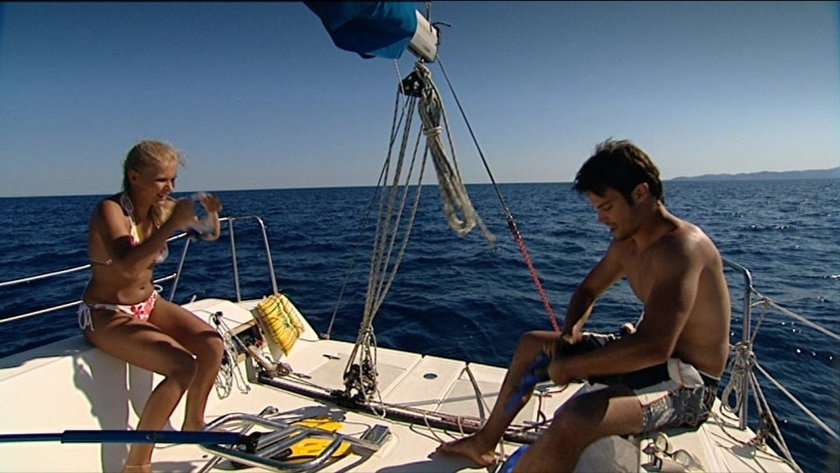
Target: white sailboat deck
69, 385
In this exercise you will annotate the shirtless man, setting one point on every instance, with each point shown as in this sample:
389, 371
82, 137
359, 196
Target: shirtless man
666, 373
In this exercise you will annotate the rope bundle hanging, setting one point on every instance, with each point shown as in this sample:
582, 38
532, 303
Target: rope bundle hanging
460, 213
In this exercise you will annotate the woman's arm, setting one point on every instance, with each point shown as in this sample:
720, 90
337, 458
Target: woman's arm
114, 230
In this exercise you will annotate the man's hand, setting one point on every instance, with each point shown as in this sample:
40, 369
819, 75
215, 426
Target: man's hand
571, 337
536, 373
559, 368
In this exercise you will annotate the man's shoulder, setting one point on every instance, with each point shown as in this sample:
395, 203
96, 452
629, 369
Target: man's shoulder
688, 240
621, 248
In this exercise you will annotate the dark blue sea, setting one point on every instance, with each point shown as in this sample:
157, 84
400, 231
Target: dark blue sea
460, 297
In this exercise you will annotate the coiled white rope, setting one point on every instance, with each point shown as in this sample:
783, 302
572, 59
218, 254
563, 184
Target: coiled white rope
460, 213
230, 370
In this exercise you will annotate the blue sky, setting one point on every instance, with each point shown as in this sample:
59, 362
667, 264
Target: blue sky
257, 96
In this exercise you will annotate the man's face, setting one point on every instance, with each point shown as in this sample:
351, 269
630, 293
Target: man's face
614, 212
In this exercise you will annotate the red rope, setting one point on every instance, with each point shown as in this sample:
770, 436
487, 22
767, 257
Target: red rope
519, 241
536, 278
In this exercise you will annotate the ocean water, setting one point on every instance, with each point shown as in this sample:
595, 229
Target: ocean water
460, 297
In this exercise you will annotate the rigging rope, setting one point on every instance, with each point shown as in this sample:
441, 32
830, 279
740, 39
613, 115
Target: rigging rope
422, 95
229, 371
361, 376
459, 210
396, 125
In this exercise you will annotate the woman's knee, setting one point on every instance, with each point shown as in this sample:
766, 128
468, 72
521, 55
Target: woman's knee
182, 369
212, 346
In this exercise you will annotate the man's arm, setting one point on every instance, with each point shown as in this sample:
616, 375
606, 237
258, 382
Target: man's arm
603, 275
675, 270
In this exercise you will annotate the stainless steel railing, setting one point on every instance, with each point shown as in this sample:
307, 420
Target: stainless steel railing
753, 298
175, 277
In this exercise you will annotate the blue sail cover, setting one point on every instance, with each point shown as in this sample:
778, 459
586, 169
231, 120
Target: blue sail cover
371, 29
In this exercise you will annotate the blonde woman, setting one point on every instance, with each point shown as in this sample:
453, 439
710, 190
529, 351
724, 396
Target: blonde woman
122, 314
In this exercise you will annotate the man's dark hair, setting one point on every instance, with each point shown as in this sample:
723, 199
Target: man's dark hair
619, 165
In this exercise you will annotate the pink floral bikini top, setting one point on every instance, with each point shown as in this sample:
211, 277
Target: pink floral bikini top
133, 233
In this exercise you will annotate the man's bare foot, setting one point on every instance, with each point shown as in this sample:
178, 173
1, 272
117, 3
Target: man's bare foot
469, 447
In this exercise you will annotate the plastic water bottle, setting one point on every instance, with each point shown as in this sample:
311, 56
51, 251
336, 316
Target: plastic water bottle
203, 225
537, 372
511, 462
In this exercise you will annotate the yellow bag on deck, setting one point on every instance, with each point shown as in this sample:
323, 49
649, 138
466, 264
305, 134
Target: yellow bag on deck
280, 320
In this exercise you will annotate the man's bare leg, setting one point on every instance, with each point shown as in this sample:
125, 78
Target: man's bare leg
581, 421
479, 446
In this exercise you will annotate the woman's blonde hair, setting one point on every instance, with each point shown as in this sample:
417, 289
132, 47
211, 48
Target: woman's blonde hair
148, 153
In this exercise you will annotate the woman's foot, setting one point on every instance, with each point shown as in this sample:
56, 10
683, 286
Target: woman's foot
469, 447
146, 468
203, 428
193, 426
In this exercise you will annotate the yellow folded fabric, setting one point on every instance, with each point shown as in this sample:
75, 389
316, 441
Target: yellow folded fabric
280, 320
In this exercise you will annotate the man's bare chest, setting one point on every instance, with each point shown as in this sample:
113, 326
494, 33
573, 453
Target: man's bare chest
639, 273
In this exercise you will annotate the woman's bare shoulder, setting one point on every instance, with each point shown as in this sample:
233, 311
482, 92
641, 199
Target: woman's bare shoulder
107, 209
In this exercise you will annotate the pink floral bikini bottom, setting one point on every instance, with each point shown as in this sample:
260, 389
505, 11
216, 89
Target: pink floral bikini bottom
141, 310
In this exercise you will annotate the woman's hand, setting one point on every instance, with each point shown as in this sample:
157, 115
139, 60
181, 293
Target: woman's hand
211, 203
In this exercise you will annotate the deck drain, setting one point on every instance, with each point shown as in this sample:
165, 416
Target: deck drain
430, 375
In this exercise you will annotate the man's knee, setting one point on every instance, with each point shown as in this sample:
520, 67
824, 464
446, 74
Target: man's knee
575, 416
534, 338
586, 411
609, 411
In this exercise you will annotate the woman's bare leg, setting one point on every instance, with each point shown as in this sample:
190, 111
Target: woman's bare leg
201, 340
479, 446
145, 345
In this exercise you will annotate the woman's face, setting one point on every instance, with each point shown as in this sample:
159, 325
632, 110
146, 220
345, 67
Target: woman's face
154, 182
